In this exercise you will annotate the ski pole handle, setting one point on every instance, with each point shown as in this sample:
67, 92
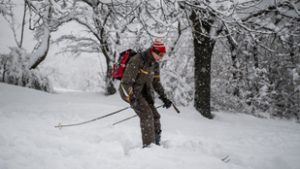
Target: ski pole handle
176, 109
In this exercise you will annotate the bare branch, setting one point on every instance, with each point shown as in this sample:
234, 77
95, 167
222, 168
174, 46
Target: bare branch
74, 38
270, 9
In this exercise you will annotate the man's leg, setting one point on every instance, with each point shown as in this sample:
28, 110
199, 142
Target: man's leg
144, 111
157, 125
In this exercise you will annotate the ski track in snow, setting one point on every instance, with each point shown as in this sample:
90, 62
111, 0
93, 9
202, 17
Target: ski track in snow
28, 139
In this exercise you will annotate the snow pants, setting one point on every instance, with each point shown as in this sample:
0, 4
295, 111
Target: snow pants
149, 120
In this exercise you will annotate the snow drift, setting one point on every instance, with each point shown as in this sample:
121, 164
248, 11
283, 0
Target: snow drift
28, 139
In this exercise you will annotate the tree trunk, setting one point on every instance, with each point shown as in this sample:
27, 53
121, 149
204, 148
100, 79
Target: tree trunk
40, 54
4, 72
236, 73
23, 25
203, 48
110, 88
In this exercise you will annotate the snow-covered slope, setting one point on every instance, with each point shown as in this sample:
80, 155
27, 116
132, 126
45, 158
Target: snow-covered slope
28, 139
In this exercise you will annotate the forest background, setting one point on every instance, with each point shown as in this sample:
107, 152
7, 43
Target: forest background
238, 55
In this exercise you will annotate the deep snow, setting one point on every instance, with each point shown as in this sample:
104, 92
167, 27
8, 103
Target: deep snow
28, 139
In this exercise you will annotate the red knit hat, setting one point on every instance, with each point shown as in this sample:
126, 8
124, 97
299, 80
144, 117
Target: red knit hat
159, 45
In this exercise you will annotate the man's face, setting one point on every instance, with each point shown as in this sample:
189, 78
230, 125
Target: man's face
157, 55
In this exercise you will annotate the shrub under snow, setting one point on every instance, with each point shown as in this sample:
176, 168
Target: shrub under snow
14, 69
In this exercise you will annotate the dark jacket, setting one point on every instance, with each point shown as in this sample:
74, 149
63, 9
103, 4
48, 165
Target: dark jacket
141, 76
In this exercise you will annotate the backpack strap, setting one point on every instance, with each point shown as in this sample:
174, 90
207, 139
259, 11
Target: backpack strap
143, 55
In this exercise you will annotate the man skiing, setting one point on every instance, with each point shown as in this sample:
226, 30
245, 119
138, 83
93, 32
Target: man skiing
140, 77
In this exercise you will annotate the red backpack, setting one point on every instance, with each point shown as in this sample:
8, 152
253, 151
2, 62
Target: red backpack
119, 67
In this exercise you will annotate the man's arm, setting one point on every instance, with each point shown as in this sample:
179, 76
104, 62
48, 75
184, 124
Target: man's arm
129, 78
156, 82
159, 88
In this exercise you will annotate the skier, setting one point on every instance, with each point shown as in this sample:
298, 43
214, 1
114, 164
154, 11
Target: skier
140, 77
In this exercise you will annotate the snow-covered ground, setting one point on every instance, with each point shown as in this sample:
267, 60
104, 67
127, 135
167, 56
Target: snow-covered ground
28, 139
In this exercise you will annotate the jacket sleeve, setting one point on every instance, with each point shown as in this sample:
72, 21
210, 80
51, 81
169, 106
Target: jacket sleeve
128, 79
156, 82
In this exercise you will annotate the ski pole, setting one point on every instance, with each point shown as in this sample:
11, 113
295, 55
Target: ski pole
131, 117
88, 121
128, 118
176, 109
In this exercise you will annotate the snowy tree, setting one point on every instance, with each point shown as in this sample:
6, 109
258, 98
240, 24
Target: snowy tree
18, 66
14, 65
240, 55
238, 25
115, 26
6, 10
262, 42
262, 45
45, 17
103, 21
100, 20
207, 21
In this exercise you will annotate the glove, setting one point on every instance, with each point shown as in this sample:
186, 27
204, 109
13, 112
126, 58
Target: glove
167, 102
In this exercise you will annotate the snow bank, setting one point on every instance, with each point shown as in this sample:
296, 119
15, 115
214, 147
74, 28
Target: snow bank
28, 139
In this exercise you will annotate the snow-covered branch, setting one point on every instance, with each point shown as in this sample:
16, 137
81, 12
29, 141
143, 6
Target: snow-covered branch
78, 45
